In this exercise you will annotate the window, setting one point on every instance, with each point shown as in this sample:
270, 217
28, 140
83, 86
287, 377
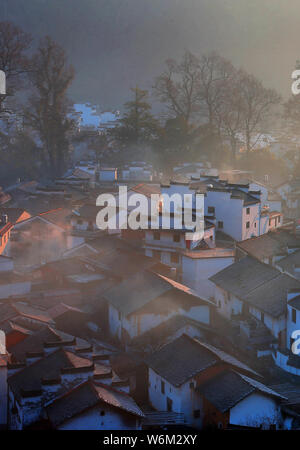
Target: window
248, 211
79, 221
169, 404
156, 236
211, 238
176, 237
174, 258
211, 210
220, 224
162, 387
254, 224
294, 315
196, 413
102, 413
247, 224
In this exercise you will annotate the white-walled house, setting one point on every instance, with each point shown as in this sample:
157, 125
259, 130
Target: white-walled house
94, 406
237, 213
137, 171
251, 288
179, 375
234, 399
32, 387
107, 174
199, 265
38, 240
170, 245
145, 300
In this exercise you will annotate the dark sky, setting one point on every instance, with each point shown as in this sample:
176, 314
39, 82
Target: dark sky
115, 44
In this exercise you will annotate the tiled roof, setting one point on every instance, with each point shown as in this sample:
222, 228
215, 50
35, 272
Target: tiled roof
135, 292
271, 296
185, 357
35, 342
60, 309
295, 302
7, 311
49, 368
258, 284
261, 247
88, 395
243, 276
13, 213
146, 189
32, 312
229, 388
288, 263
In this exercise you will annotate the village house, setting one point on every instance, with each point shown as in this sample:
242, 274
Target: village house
198, 265
180, 377
146, 299
140, 171
232, 400
41, 238
48, 367
290, 264
266, 248
290, 194
106, 174
94, 406
249, 288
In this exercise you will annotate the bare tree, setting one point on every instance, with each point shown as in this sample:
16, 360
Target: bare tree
13, 59
48, 111
178, 86
257, 105
228, 112
214, 74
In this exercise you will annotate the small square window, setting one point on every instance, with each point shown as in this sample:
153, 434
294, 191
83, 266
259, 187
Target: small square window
247, 224
211, 210
294, 315
156, 236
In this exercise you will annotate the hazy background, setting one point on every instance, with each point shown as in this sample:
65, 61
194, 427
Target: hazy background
115, 44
